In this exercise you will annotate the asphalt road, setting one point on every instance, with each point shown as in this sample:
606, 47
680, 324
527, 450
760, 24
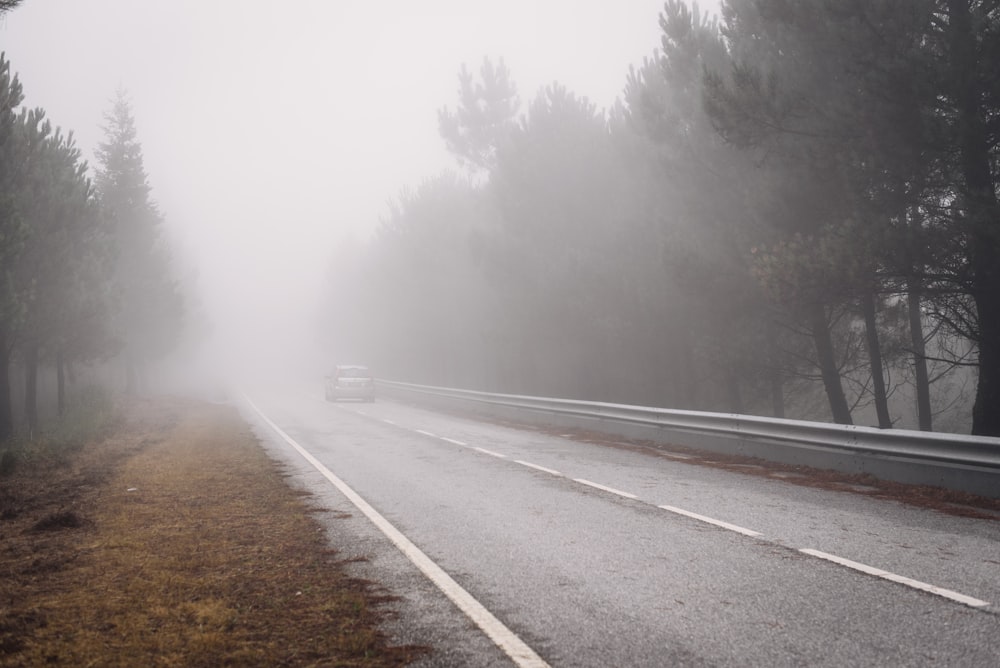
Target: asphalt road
608, 556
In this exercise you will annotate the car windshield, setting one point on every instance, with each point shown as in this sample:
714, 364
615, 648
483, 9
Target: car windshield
353, 372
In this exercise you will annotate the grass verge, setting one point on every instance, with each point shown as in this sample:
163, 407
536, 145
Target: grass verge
175, 541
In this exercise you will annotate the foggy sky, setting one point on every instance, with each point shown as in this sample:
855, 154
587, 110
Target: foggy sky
273, 130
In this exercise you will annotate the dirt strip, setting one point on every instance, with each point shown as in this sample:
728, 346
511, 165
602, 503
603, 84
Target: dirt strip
176, 542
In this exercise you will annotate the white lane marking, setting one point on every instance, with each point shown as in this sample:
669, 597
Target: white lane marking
505, 639
709, 520
491, 453
606, 489
425, 433
863, 568
388, 421
886, 575
536, 466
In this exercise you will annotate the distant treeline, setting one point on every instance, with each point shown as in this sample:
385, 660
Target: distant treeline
84, 275
791, 212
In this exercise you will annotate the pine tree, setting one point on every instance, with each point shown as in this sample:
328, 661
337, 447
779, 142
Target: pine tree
151, 307
485, 116
63, 268
11, 233
897, 101
968, 50
705, 237
827, 92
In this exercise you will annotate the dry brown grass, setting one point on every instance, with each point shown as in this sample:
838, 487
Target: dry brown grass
176, 542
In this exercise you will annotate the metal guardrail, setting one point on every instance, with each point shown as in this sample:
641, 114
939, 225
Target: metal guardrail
964, 463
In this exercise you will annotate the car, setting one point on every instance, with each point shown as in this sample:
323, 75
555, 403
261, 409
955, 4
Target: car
350, 381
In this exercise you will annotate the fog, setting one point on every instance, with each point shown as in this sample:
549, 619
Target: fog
271, 133
780, 214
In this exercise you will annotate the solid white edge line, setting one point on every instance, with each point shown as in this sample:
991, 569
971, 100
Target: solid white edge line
536, 466
892, 577
453, 441
491, 453
504, 638
715, 522
425, 433
612, 490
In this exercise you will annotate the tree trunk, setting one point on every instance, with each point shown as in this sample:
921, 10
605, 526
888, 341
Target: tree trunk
733, 395
983, 213
777, 394
986, 409
924, 418
60, 384
914, 267
6, 413
828, 367
875, 361
774, 374
31, 387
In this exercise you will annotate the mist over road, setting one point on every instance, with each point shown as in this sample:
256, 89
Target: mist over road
569, 545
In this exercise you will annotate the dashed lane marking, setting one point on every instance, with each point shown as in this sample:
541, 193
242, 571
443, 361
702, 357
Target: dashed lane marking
892, 577
537, 467
491, 453
714, 522
599, 486
847, 563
